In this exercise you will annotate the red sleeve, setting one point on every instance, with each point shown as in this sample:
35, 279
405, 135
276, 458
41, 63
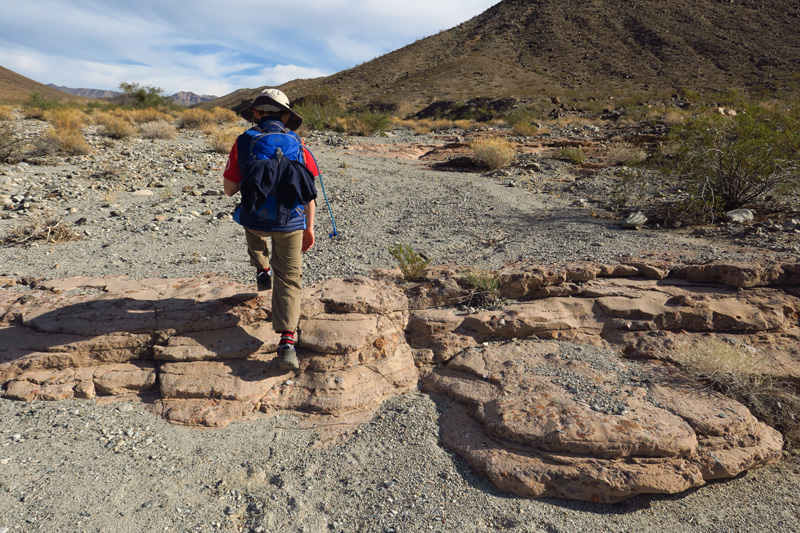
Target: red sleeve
231, 172
311, 163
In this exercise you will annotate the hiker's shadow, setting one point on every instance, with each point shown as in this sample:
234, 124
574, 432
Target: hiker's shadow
117, 330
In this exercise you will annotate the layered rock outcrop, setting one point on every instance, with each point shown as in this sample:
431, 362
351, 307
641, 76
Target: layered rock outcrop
204, 347
566, 382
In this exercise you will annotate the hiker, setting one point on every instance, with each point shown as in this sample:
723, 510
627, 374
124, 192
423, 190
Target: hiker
275, 173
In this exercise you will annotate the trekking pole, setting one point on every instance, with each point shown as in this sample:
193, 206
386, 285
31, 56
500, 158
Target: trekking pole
334, 233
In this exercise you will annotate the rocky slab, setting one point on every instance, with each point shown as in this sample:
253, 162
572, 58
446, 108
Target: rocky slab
568, 384
579, 422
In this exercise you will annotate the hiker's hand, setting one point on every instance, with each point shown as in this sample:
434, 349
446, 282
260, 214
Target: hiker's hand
308, 239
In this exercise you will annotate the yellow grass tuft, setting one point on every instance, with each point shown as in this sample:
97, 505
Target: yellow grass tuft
117, 125
222, 141
6, 112
222, 116
67, 118
159, 129
195, 118
493, 153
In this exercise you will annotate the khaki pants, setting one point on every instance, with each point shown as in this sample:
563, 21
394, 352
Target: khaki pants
287, 269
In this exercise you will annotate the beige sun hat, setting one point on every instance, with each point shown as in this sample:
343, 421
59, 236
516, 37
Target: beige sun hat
272, 100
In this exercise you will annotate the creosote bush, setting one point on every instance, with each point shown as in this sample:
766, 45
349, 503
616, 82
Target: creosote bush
413, 265
38, 104
493, 153
728, 162
366, 123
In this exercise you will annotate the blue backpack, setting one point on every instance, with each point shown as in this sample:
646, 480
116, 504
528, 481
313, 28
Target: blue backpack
275, 181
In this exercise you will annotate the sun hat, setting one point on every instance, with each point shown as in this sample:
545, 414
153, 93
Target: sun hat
272, 100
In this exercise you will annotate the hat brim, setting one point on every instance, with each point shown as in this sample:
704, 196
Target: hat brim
246, 113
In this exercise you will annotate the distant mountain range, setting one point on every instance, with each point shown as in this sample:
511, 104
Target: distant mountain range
181, 98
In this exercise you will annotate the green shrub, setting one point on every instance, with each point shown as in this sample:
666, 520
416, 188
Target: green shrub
141, 96
728, 162
487, 289
571, 154
10, 142
493, 153
413, 265
365, 123
319, 111
38, 105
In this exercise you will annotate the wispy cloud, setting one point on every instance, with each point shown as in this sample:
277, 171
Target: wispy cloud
208, 46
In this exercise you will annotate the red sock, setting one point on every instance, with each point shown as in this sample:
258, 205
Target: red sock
287, 337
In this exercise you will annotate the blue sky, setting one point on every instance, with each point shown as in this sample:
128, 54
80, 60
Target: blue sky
210, 46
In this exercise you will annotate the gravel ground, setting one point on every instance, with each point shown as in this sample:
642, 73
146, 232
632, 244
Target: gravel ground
154, 209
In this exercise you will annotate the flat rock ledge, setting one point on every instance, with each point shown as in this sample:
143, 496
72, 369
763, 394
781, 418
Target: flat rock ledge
568, 385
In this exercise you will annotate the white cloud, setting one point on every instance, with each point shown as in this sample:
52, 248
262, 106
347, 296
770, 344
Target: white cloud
208, 46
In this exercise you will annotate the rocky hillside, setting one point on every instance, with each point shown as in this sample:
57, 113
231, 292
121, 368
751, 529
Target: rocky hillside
15, 88
523, 48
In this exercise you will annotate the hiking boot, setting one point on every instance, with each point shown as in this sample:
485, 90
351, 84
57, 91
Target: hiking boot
287, 358
264, 280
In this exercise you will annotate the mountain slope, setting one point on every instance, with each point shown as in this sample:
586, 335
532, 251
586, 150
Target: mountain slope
15, 89
592, 48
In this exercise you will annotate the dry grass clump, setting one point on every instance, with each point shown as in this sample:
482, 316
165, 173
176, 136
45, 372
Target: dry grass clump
148, 114
117, 124
624, 153
741, 373
68, 141
6, 112
222, 116
525, 129
42, 226
222, 140
64, 134
159, 129
67, 118
195, 118
493, 153
209, 129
